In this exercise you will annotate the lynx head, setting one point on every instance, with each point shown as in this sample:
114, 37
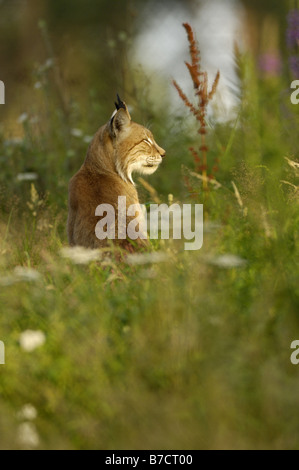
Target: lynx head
134, 146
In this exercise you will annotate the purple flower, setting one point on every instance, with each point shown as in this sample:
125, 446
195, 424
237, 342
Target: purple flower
293, 29
270, 64
294, 65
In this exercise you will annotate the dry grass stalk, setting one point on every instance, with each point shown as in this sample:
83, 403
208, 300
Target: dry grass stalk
200, 83
237, 194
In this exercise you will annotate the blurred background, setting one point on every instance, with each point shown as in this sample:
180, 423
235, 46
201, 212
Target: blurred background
131, 47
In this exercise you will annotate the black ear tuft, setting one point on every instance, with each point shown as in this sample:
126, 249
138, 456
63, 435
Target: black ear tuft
119, 103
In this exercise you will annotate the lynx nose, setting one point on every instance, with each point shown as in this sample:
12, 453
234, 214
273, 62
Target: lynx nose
160, 150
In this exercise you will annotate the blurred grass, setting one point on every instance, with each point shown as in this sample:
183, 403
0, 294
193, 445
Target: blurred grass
185, 354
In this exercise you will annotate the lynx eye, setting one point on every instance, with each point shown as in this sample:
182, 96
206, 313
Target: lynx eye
148, 141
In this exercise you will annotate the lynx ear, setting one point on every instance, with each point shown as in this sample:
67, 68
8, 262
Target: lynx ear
121, 118
121, 104
119, 121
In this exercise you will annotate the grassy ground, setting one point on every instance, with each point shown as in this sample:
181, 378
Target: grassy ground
192, 352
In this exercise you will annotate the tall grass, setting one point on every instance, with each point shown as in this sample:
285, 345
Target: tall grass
192, 352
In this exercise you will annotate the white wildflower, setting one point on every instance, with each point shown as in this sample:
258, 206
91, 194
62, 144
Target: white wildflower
42, 68
27, 176
87, 139
13, 141
38, 85
80, 255
26, 274
228, 261
22, 118
20, 274
76, 132
145, 258
49, 63
27, 412
27, 435
31, 339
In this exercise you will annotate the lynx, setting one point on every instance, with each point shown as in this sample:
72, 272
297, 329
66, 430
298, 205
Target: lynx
119, 148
